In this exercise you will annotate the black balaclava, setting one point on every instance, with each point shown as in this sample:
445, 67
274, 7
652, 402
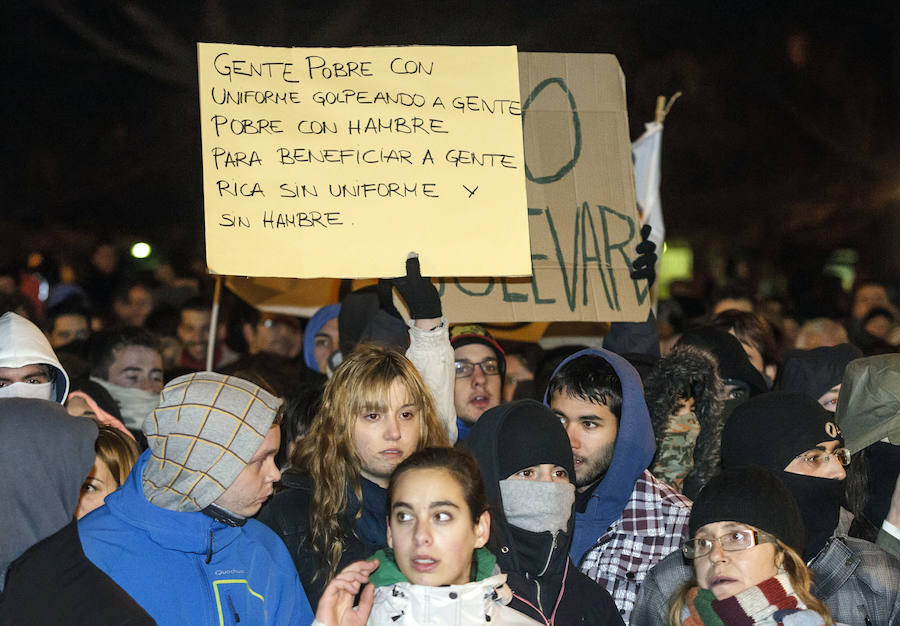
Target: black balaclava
770, 430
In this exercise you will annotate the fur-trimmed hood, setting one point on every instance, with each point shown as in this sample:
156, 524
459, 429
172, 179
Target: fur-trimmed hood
689, 370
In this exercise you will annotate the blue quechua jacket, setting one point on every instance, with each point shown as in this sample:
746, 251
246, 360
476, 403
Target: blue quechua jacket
187, 568
633, 453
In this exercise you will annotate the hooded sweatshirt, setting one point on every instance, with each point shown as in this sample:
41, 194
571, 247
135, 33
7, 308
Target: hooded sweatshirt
631, 519
545, 584
316, 322
633, 453
22, 343
47, 454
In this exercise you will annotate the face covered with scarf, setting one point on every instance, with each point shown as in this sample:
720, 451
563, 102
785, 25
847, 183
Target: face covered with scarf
531, 472
793, 436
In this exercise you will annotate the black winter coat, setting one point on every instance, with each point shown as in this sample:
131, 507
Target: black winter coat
545, 583
53, 582
288, 515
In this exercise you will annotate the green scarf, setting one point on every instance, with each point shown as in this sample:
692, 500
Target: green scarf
388, 573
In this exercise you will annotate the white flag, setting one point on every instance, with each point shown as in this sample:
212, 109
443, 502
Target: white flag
646, 152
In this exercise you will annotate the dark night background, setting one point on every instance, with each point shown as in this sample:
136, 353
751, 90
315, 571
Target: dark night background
783, 147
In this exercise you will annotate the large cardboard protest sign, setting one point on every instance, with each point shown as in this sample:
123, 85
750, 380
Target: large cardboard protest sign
581, 202
337, 162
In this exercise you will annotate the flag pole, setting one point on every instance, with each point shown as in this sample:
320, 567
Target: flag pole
213, 323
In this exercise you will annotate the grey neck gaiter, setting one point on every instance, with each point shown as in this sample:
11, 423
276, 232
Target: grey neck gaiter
537, 506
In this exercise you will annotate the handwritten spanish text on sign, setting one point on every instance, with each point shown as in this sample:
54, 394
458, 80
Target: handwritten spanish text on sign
336, 162
581, 202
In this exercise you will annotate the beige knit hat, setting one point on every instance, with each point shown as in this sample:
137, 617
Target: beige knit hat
205, 430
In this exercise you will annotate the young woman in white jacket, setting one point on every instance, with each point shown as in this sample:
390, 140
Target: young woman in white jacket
436, 569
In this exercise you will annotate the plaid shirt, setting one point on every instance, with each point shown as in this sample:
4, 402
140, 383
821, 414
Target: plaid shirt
653, 524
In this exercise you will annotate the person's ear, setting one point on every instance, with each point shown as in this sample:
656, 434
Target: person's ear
249, 334
390, 539
482, 529
779, 560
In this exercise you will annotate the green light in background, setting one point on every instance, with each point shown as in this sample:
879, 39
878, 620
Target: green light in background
677, 263
140, 250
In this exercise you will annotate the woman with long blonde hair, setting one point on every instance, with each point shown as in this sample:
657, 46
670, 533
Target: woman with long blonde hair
376, 411
746, 540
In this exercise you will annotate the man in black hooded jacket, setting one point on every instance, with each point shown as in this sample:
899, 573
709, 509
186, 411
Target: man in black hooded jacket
526, 463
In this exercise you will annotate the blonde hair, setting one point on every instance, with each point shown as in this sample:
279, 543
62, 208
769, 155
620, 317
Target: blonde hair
797, 571
327, 453
117, 450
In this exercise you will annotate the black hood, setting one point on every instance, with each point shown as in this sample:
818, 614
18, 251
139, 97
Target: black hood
484, 443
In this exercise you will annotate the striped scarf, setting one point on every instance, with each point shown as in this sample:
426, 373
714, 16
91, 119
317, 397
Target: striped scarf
772, 603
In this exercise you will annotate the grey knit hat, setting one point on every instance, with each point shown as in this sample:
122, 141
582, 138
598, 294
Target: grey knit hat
201, 436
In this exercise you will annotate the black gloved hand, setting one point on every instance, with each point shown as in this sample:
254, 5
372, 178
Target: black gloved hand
645, 264
420, 295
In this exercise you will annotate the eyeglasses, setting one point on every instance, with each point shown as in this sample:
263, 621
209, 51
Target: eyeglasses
731, 542
490, 367
817, 458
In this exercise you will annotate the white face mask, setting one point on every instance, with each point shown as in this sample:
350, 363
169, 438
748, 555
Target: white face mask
134, 404
42, 391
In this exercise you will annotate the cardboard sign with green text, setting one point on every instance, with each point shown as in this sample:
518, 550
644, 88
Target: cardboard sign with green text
582, 213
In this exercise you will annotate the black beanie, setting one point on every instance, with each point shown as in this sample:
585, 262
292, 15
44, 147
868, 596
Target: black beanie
531, 434
773, 428
816, 371
733, 361
754, 496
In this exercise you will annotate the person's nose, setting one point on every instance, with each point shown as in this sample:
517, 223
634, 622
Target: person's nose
718, 554
834, 469
422, 534
274, 474
478, 377
573, 436
391, 428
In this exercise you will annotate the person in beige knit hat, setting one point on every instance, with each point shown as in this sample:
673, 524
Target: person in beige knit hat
178, 535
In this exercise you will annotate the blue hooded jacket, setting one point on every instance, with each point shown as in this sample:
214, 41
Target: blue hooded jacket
187, 568
633, 453
316, 322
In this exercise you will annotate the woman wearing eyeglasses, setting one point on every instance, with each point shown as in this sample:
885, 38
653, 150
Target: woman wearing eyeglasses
746, 536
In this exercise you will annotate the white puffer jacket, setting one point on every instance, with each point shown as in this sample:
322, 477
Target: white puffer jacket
481, 602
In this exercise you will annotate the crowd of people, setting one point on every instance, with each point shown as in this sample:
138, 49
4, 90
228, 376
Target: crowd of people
730, 464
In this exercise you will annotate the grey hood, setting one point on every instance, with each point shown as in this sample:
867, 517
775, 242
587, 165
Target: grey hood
46, 456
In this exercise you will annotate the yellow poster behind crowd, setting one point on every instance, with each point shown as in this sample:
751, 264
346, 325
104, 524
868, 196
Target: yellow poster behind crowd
337, 162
